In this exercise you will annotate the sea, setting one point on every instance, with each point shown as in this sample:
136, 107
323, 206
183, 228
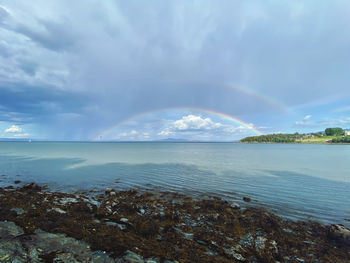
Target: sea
296, 181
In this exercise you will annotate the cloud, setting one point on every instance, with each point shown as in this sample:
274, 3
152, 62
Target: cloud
307, 117
203, 128
13, 129
21, 135
192, 122
165, 133
123, 58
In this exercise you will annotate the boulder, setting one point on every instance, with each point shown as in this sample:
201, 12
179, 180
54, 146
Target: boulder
32, 186
339, 233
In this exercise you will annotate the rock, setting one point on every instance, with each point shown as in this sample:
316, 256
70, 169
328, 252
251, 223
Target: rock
121, 227
132, 257
260, 243
58, 210
232, 252
235, 205
32, 186
19, 211
246, 199
339, 233
108, 190
110, 223
11, 249
152, 260
247, 240
62, 248
17, 181
142, 211
9, 230
124, 220
67, 200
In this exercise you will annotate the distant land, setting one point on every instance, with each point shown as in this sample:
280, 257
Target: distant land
330, 135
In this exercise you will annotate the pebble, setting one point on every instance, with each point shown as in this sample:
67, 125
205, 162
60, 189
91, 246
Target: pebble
142, 211
247, 199
235, 205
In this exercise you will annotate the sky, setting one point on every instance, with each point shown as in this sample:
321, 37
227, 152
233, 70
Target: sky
152, 70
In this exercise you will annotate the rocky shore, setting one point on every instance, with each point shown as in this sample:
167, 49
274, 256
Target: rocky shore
37, 225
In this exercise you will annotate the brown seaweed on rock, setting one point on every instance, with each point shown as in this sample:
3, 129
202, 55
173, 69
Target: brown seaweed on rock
132, 226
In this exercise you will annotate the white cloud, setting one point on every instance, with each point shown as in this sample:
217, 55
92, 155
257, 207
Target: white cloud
165, 133
201, 128
13, 129
193, 122
307, 117
21, 135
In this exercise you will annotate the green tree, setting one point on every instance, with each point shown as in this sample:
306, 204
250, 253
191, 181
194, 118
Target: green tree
334, 131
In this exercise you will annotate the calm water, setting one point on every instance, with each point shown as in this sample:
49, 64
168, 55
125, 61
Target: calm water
296, 181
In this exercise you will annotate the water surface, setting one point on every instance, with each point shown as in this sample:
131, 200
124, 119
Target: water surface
297, 181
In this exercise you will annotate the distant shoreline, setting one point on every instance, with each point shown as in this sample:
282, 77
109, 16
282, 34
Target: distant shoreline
329, 137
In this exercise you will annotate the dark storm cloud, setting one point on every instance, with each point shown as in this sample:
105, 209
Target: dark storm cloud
53, 36
32, 104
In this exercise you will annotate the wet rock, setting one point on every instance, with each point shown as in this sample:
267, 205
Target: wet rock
58, 210
232, 252
247, 240
11, 249
66, 248
340, 233
109, 191
9, 230
247, 199
124, 220
18, 211
122, 227
142, 211
66, 200
110, 223
235, 205
17, 181
32, 186
260, 243
132, 257
152, 260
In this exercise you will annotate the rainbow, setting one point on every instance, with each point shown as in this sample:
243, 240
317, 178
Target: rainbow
252, 93
257, 95
208, 111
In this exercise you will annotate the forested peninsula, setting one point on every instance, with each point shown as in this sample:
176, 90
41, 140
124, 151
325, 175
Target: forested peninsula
330, 135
